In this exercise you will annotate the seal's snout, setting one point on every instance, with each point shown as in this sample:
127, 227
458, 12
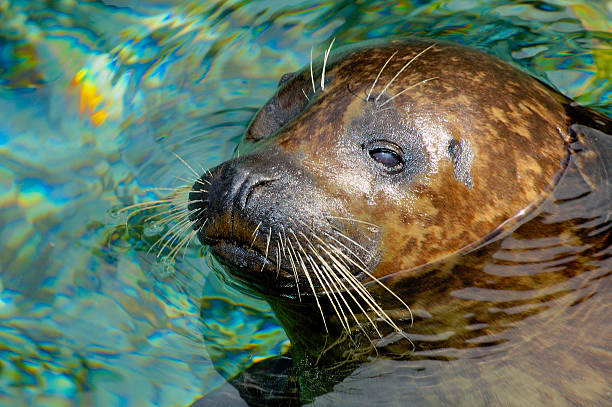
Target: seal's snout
263, 212
242, 209
229, 201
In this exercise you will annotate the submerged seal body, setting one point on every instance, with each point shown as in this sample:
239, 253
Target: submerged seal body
434, 205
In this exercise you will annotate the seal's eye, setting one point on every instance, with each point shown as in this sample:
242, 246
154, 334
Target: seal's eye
388, 156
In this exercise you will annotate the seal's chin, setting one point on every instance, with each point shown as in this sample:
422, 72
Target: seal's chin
252, 268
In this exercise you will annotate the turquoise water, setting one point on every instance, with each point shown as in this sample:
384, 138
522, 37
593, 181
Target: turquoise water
95, 97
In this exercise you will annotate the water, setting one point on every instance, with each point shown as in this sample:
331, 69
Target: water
95, 99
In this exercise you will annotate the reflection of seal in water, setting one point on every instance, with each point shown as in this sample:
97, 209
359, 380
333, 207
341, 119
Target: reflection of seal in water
432, 177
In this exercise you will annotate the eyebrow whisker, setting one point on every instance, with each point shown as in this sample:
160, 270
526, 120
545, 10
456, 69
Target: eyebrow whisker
325, 63
378, 76
402, 70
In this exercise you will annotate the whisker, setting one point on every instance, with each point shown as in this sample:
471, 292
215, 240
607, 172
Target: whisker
316, 297
163, 189
186, 224
402, 70
255, 233
168, 233
147, 205
332, 277
175, 208
324, 63
186, 164
191, 181
180, 245
305, 95
365, 295
346, 248
180, 216
380, 283
291, 253
280, 239
378, 76
278, 260
351, 240
267, 247
331, 293
327, 286
405, 90
193, 234
359, 288
340, 282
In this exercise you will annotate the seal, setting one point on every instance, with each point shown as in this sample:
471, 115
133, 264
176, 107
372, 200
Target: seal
423, 201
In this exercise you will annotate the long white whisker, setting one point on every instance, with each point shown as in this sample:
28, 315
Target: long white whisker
193, 234
282, 243
291, 254
182, 215
346, 248
147, 205
359, 288
255, 233
350, 240
339, 311
330, 292
402, 70
405, 90
172, 230
193, 180
339, 281
267, 247
174, 208
380, 283
180, 228
181, 244
363, 294
314, 292
162, 189
324, 63
187, 165
377, 76
278, 260
333, 277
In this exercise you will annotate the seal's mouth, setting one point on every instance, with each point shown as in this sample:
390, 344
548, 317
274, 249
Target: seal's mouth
251, 267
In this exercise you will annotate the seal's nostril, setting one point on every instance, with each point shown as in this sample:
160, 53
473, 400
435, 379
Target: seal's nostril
253, 188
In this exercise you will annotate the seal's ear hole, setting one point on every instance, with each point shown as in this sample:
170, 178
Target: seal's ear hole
288, 102
284, 79
386, 155
461, 156
454, 149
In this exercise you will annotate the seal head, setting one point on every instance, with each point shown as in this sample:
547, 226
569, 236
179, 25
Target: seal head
384, 158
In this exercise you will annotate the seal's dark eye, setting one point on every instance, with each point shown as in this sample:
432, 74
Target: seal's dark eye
388, 156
